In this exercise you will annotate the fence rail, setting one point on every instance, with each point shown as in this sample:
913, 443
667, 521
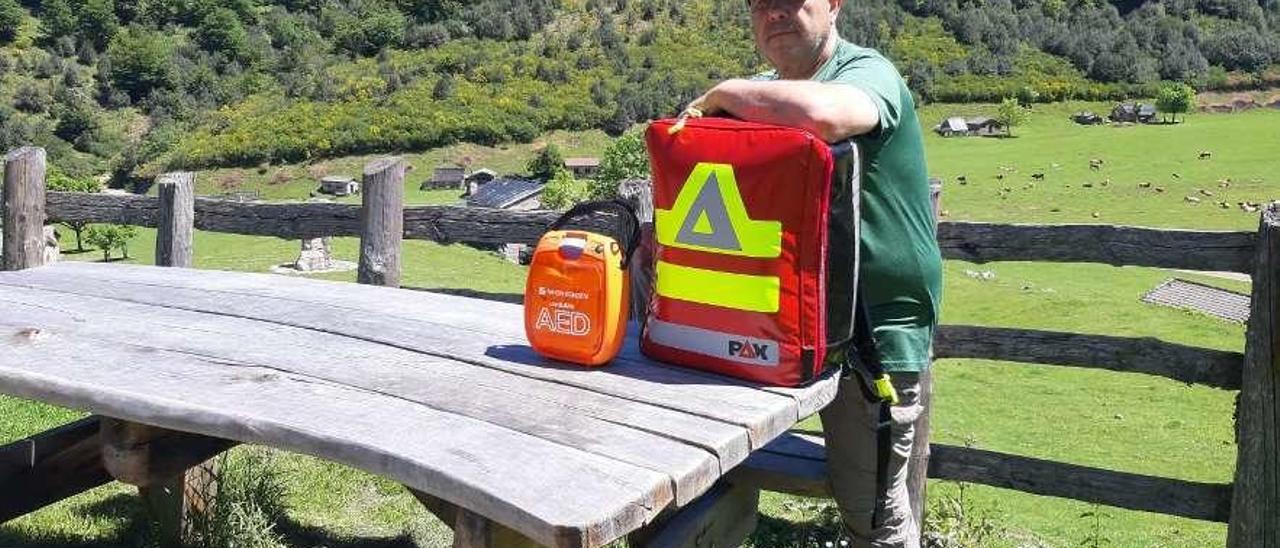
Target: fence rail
977, 242
1188, 499
1250, 504
806, 454
1106, 244
1190, 364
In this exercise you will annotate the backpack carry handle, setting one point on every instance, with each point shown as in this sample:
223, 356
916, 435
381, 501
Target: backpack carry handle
626, 227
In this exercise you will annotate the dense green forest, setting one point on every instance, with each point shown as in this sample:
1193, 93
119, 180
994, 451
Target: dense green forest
132, 88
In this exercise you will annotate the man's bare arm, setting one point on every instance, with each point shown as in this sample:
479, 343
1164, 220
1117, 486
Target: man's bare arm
831, 111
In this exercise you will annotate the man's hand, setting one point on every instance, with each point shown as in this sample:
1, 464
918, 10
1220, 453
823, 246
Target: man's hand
831, 111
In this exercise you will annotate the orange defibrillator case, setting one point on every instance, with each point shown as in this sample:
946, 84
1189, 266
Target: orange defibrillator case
577, 296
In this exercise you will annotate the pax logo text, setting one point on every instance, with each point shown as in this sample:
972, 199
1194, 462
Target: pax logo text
749, 350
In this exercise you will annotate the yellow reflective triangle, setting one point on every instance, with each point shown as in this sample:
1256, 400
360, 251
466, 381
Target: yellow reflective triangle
709, 215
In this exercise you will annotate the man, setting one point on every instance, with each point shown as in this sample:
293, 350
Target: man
837, 90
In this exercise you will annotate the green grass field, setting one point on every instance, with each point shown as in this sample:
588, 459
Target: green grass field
1126, 422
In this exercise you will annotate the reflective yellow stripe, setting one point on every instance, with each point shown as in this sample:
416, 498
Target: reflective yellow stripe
725, 289
709, 215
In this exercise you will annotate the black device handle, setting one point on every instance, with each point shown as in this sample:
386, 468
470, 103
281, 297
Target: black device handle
626, 226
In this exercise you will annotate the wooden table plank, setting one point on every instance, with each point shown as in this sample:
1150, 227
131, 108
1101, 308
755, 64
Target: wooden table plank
466, 461
533, 407
478, 331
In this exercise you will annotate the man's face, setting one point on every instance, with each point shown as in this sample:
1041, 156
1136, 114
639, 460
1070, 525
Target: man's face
792, 32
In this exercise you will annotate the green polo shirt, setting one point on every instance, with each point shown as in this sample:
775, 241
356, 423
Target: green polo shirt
901, 265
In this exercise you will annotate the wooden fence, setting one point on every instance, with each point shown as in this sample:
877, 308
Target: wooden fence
1251, 504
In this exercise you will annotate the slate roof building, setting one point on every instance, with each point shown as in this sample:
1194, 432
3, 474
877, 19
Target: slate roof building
477, 179
508, 193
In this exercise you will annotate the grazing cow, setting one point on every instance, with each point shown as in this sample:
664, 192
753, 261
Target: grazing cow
1144, 185
1095, 164
1176, 176
1159, 189
1205, 155
1037, 176
963, 180
1192, 199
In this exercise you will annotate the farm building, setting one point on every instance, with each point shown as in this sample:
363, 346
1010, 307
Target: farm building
1086, 118
582, 168
477, 179
959, 126
445, 178
1134, 112
339, 185
508, 193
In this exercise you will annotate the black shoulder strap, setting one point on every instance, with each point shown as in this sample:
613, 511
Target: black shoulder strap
625, 227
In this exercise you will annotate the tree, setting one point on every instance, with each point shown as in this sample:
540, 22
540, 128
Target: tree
58, 180
375, 25
220, 30
1175, 98
11, 16
140, 61
1027, 96
624, 158
76, 117
30, 97
57, 19
562, 191
1011, 114
109, 238
546, 164
98, 22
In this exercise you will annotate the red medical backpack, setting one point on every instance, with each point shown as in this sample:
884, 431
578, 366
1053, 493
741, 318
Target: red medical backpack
756, 262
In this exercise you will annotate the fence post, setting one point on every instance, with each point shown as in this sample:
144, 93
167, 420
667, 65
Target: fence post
178, 503
918, 464
176, 221
382, 222
23, 205
1255, 502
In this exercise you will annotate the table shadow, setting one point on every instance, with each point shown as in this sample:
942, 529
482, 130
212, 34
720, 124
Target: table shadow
138, 531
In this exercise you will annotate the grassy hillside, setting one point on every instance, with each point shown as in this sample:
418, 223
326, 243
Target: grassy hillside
134, 88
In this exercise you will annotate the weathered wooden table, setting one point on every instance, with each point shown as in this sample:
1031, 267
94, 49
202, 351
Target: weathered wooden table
440, 393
